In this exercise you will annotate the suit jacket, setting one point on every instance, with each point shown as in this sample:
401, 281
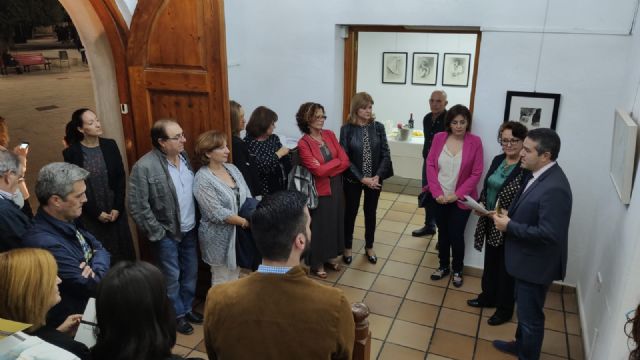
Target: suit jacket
273, 316
311, 158
431, 127
13, 224
115, 173
536, 237
470, 168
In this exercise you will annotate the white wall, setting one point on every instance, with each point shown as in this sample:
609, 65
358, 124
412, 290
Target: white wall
394, 102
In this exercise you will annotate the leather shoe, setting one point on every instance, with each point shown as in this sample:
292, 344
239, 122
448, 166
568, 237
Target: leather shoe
425, 230
194, 317
475, 303
183, 326
347, 259
496, 319
509, 347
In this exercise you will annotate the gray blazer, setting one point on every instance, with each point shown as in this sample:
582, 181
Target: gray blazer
152, 198
536, 237
217, 201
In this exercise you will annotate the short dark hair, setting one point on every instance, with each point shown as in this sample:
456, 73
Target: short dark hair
548, 141
159, 131
453, 113
518, 130
136, 319
277, 220
305, 114
260, 121
72, 134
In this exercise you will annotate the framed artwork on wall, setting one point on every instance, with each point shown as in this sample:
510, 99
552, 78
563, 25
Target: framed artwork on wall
532, 109
455, 71
425, 68
394, 67
623, 154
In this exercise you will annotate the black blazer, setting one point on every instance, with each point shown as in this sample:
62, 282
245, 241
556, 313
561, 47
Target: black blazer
494, 165
246, 163
115, 173
537, 235
351, 142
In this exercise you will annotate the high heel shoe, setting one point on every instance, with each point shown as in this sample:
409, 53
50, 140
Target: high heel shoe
371, 257
347, 259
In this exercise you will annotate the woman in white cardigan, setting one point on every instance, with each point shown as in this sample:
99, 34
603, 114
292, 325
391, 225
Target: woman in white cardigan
220, 191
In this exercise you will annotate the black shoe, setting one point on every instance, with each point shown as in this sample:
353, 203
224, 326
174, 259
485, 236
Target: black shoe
496, 319
372, 258
347, 259
509, 347
183, 326
457, 279
194, 317
425, 230
440, 273
475, 303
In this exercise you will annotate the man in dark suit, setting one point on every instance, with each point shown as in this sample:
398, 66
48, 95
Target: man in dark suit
536, 228
432, 124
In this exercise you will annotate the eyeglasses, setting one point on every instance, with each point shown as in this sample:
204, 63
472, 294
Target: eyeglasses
177, 137
506, 142
321, 117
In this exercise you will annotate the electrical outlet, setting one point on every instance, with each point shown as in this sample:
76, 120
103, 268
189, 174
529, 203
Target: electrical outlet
598, 281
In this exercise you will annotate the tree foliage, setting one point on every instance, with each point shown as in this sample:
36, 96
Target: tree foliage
27, 13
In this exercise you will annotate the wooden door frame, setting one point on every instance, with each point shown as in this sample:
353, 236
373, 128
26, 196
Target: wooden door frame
351, 55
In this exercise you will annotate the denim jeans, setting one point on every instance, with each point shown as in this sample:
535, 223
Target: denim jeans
530, 299
178, 261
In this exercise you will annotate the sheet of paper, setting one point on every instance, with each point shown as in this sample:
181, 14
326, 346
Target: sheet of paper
86, 332
474, 205
8, 327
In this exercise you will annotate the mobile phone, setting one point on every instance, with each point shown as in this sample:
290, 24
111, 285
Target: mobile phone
24, 145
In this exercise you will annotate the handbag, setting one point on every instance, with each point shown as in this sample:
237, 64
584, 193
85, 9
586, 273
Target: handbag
423, 198
301, 179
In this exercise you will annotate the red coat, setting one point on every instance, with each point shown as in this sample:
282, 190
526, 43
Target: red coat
312, 159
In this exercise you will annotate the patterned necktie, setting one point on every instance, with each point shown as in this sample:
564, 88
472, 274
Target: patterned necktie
86, 249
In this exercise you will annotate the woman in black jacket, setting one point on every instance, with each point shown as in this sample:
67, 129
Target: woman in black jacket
365, 142
103, 213
501, 185
242, 158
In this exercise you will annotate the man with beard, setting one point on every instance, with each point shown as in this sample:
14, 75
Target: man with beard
279, 302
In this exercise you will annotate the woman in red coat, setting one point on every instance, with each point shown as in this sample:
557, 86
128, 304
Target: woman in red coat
321, 153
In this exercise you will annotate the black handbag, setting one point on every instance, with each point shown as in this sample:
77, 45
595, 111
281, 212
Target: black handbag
423, 198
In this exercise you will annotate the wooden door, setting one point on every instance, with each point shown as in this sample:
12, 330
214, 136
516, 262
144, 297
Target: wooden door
177, 64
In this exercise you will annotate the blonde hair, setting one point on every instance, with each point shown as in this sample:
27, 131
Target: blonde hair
359, 101
27, 280
208, 141
235, 108
4, 133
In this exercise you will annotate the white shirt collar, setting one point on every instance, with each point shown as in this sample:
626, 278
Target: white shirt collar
542, 170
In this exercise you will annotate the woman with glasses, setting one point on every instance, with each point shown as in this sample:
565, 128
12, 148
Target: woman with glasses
501, 184
454, 167
103, 213
273, 159
321, 153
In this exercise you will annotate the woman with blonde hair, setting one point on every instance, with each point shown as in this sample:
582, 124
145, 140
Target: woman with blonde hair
220, 191
29, 288
365, 142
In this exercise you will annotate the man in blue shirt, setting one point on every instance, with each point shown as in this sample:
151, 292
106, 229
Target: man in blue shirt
81, 259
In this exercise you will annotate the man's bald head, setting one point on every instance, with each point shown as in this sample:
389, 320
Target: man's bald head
438, 102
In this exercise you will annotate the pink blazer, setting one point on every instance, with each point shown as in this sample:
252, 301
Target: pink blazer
312, 159
470, 168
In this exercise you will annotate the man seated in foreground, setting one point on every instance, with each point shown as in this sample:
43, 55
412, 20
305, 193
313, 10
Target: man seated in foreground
278, 312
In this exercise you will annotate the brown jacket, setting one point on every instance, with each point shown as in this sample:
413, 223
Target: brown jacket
272, 316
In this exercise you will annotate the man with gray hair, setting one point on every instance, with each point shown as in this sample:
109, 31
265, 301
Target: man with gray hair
13, 222
82, 261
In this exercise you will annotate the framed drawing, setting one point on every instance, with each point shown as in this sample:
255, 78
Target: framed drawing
623, 154
533, 109
425, 68
455, 71
394, 67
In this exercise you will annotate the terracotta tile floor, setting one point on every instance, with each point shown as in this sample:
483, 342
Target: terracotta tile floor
413, 317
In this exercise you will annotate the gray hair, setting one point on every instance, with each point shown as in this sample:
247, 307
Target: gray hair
8, 162
442, 92
57, 179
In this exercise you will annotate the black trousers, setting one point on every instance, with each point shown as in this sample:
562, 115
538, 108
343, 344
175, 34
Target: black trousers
430, 206
451, 222
497, 284
352, 193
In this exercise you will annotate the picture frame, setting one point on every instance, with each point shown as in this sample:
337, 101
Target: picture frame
394, 67
532, 109
455, 71
425, 68
623, 154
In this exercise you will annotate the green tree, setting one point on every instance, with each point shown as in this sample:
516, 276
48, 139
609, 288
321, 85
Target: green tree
25, 14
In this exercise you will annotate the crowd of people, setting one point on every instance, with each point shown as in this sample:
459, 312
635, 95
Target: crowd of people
241, 214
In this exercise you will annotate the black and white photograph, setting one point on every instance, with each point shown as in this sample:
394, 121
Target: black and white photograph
455, 71
394, 67
425, 68
534, 110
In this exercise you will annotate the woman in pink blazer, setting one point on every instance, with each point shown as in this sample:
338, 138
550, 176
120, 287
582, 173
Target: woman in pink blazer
454, 167
321, 153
